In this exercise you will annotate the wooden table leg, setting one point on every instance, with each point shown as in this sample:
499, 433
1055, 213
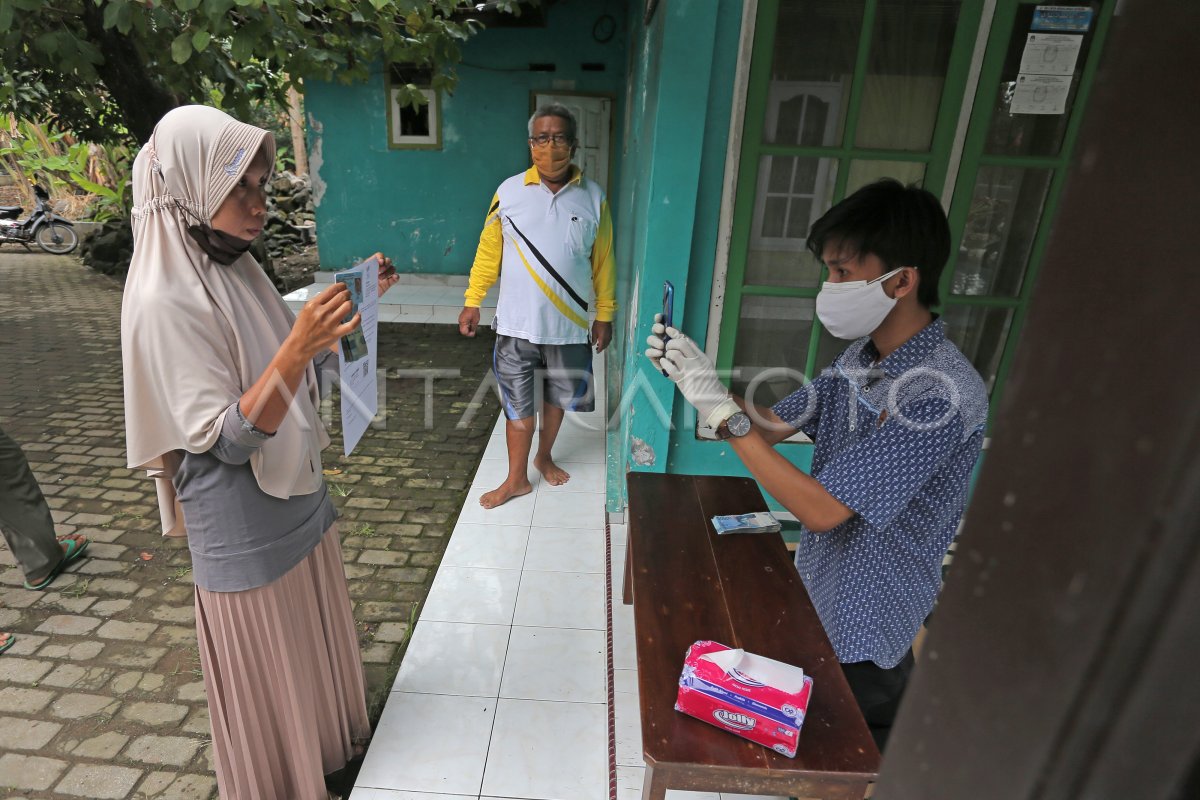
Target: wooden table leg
856, 791
627, 580
654, 786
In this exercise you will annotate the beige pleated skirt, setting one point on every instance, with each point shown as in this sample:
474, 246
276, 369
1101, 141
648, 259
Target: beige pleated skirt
284, 679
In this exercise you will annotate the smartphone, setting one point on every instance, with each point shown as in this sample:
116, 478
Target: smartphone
668, 309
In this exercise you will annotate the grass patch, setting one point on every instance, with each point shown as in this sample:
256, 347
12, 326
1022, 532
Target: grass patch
77, 589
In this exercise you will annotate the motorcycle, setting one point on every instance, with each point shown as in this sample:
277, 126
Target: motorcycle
52, 233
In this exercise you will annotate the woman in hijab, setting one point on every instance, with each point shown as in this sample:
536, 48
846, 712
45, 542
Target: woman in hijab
221, 399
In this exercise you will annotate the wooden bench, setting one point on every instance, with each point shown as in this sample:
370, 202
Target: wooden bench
687, 584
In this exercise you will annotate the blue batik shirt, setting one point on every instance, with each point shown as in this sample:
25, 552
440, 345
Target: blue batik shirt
895, 441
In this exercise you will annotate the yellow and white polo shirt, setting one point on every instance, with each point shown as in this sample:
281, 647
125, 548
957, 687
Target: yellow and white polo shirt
556, 250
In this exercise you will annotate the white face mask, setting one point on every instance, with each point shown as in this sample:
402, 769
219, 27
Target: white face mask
852, 309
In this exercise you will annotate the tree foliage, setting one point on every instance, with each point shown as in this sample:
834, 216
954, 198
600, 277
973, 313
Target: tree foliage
109, 69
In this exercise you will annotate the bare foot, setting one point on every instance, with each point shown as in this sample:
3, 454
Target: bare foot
503, 493
553, 473
5, 636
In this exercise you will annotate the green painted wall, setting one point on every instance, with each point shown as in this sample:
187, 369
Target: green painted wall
425, 208
681, 85
672, 185
636, 137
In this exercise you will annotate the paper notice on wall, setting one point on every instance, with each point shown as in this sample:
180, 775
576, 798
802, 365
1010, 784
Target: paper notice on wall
1040, 94
357, 352
1050, 54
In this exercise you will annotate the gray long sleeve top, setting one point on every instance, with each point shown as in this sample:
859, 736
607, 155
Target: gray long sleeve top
241, 537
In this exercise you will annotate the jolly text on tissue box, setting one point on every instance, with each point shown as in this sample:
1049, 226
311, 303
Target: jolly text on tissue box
753, 697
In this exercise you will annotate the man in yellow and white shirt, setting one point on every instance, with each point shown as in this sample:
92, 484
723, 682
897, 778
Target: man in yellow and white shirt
548, 237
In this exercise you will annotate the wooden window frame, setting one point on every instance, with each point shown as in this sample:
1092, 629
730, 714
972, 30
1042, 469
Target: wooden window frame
431, 141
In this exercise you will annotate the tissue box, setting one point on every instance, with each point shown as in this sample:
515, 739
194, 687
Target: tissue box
753, 697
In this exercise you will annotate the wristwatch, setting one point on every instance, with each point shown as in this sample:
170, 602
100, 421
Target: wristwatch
736, 426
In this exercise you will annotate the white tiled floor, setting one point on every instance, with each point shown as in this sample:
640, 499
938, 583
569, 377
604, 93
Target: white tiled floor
503, 690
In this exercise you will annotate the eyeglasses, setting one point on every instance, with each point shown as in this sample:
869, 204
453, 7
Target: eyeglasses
543, 139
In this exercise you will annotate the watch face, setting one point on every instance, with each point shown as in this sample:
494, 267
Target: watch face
738, 424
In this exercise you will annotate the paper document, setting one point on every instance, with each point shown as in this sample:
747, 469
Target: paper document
1040, 94
1050, 54
357, 352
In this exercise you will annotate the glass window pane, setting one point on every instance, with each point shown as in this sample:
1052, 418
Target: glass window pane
791, 119
772, 345
902, 91
1001, 225
793, 268
1032, 134
776, 255
980, 333
781, 174
774, 216
816, 118
804, 179
813, 62
799, 218
863, 172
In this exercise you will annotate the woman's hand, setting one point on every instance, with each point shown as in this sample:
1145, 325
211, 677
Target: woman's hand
387, 273
319, 324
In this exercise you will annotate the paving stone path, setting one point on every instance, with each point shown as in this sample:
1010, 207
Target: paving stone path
101, 697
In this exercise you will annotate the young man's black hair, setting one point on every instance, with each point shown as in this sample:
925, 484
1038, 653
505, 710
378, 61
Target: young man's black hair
902, 225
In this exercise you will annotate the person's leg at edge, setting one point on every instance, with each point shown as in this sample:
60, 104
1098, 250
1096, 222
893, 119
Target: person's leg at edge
878, 692
25, 520
552, 420
518, 435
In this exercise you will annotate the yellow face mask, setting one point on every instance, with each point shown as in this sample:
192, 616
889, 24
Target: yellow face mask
552, 161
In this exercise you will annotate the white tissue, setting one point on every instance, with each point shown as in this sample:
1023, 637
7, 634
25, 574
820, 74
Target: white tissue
781, 676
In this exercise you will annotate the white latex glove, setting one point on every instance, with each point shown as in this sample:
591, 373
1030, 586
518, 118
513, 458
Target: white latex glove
696, 376
657, 341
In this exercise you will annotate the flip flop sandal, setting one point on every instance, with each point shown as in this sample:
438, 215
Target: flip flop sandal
74, 551
12, 639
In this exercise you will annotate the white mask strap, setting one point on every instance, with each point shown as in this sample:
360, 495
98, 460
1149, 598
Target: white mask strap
882, 278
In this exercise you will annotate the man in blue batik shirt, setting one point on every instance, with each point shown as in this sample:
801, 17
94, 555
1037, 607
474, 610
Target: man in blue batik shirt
897, 422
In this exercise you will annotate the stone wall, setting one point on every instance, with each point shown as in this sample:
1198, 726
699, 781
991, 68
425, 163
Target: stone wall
290, 224
108, 248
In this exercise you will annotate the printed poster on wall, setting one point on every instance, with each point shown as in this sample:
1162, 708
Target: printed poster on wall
357, 352
1041, 94
1050, 54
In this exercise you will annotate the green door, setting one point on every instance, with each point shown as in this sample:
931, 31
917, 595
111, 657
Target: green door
842, 92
